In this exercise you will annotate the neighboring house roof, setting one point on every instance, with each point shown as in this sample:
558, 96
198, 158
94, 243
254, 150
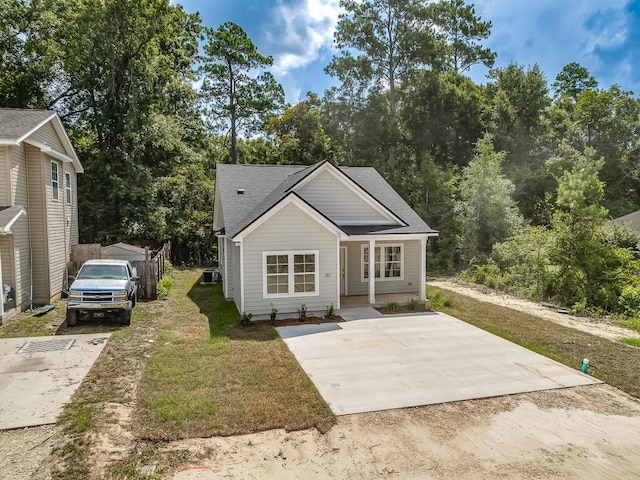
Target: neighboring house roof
264, 186
17, 124
126, 246
8, 216
631, 219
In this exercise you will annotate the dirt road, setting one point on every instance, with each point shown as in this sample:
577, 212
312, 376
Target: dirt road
601, 327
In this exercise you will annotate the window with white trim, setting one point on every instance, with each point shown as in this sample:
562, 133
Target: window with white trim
67, 187
290, 274
388, 262
55, 181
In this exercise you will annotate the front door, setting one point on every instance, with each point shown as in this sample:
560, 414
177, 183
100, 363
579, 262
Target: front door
343, 270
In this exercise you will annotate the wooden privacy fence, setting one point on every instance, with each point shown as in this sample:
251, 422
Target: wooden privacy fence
150, 271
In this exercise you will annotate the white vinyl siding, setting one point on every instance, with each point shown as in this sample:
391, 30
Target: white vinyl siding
411, 269
47, 134
233, 257
337, 201
290, 230
71, 209
6, 257
58, 232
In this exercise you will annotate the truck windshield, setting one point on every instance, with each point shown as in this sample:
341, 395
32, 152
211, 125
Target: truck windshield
103, 271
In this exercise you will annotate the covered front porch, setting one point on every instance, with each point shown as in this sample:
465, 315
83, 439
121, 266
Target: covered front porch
377, 269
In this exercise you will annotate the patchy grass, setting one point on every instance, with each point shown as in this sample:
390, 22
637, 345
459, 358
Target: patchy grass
112, 379
632, 323
210, 376
615, 363
52, 323
634, 342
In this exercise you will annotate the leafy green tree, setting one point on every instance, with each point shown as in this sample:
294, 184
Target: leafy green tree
299, 133
29, 58
573, 80
441, 115
131, 107
578, 252
236, 98
488, 214
380, 42
461, 31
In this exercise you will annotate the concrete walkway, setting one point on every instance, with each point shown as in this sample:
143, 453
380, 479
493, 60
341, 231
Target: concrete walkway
38, 375
404, 361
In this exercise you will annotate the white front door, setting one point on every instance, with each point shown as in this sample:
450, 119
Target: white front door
343, 270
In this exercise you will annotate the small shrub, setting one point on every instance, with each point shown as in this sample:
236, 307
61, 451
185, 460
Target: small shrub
415, 304
439, 301
164, 286
273, 314
302, 313
331, 312
245, 319
391, 306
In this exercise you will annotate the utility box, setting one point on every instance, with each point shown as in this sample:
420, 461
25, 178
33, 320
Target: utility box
210, 276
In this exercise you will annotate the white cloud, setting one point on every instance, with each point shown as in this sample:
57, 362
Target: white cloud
300, 32
553, 33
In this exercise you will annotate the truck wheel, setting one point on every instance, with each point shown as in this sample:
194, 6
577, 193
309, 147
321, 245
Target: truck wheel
125, 317
71, 317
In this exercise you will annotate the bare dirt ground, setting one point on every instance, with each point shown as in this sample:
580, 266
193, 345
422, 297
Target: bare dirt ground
585, 432
601, 327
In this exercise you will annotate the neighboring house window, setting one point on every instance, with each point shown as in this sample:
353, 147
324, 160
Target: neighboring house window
388, 262
55, 181
290, 274
67, 187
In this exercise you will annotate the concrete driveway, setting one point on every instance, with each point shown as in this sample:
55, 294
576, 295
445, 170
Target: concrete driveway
38, 375
395, 362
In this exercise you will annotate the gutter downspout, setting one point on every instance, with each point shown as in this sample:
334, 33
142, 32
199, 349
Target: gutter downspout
26, 164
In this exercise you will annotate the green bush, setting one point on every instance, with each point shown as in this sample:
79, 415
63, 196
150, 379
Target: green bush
629, 301
439, 301
273, 315
331, 311
164, 286
415, 304
245, 319
302, 313
391, 306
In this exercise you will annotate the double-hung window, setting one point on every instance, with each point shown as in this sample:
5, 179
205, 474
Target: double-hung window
387, 261
67, 187
55, 181
290, 274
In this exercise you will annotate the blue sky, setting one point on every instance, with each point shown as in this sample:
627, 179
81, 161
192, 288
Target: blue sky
602, 35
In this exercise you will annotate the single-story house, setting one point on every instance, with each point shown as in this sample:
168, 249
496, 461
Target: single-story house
38, 207
124, 251
631, 219
291, 235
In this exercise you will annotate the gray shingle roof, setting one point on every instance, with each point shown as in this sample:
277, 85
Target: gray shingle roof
8, 214
266, 185
15, 122
632, 219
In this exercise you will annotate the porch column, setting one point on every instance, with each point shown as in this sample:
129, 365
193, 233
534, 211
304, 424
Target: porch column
372, 271
423, 269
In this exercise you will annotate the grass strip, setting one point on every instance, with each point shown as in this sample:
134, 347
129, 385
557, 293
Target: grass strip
210, 376
613, 362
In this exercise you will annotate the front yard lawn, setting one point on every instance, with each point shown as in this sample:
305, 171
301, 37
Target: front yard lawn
615, 363
207, 375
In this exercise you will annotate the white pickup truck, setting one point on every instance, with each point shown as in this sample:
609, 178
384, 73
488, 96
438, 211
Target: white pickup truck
100, 287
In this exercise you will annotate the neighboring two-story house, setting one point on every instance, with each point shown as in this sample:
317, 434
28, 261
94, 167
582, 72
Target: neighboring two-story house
38, 207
